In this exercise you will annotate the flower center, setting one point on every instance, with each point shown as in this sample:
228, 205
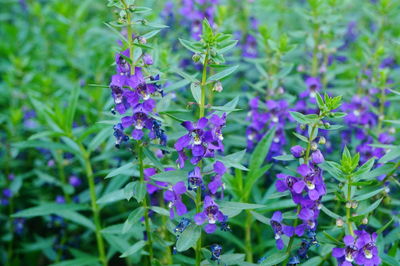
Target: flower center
310, 185
197, 140
139, 124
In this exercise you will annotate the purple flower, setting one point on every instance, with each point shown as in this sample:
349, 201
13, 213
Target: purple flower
250, 47
312, 181
358, 112
345, 256
286, 182
297, 151
211, 214
74, 181
119, 135
173, 195
313, 86
7, 193
216, 183
368, 252
195, 179
280, 229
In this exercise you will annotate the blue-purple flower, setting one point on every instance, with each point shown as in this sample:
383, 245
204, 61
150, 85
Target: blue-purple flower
210, 214
280, 229
174, 196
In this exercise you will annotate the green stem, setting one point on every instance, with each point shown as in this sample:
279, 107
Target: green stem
306, 157
249, 252
129, 32
201, 114
95, 208
145, 206
348, 210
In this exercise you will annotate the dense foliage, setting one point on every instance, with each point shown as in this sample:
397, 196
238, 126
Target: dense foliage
199, 132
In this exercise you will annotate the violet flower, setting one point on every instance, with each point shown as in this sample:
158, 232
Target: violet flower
173, 195
216, 183
368, 252
210, 214
312, 182
345, 256
280, 229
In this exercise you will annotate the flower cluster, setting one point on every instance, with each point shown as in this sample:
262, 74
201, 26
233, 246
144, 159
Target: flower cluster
264, 116
361, 250
131, 90
203, 139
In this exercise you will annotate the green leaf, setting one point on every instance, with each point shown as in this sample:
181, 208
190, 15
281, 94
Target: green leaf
301, 137
285, 157
133, 249
172, 177
160, 210
228, 107
133, 218
380, 230
150, 155
47, 209
275, 259
187, 76
333, 239
233, 160
260, 152
232, 209
222, 74
299, 117
390, 155
330, 213
368, 195
196, 91
320, 101
99, 139
126, 169
191, 46
77, 218
89, 261
112, 197
370, 208
260, 217
188, 238
139, 191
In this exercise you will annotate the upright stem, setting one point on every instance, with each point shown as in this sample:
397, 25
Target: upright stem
201, 114
348, 208
95, 208
307, 155
249, 252
129, 32
145, 205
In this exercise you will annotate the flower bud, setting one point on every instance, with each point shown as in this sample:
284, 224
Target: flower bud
348, 205
327, 125
297, 151
281, 90
218, 87
142, 40
317, 157
196, 58
365, 220
314, 146
322, 140
339, 222
147, 59
354, 204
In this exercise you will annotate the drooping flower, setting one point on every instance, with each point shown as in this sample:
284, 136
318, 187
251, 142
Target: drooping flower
210, 214
216, 183
195, 179
174, 196
215, 252
280, 229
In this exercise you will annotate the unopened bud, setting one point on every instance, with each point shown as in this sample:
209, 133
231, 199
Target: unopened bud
281, 90
339, 222
354, 204
327, 125
196, 58
365, 220
314, 146
302, 126
218, 87
348, 205
142, 40
322, 140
